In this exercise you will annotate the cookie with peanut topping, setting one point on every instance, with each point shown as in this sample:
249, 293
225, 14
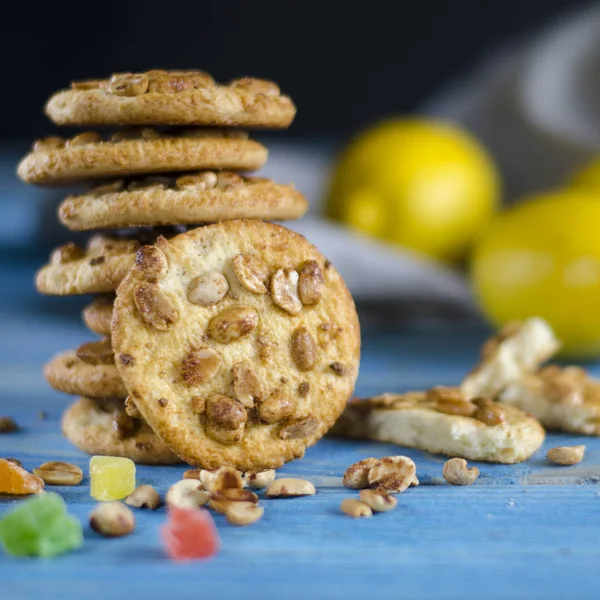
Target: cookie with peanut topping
97, 315
88, 371
562, 398
239, 343
137, 152
172, 98
203, 197
103, 427
444, 421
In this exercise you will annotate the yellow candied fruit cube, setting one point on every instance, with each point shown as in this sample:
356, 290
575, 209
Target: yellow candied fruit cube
111, 478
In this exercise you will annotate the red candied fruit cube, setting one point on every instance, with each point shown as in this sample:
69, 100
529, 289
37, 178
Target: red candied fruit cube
190, 533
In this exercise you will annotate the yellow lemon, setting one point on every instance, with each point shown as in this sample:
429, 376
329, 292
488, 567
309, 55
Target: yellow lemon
425, 184
542, 257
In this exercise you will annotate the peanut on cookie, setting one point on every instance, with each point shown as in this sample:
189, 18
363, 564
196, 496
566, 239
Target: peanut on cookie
224, 359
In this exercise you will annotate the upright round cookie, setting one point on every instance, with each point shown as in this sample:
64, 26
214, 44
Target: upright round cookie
97, 315
239, 343
103, 427
89, 156
203, 197
171, 98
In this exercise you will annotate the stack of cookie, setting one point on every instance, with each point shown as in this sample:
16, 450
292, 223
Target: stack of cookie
236, 343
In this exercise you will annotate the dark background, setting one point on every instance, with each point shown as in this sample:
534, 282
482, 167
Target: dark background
345, 64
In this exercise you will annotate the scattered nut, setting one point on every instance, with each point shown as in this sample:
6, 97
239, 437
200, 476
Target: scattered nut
455, 472
243, 513
67, 253
260, 480
356, 475
96, 353
251, 272
488, 412
83, 139
393, 474
151, 263
128, 84
233, 323
276, 407
310, 283
566, 455
200, 366
247, 387
207, 478
355, 508
378, 500
288, 487
112, 519
187, 493
59, 473
299, 429
225, 478
284, 290
144, 496
155, 307
131, 408
193, 474
208, 289
8, 424
303, 348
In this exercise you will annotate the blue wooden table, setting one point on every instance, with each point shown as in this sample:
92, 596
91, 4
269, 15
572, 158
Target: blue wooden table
524, 531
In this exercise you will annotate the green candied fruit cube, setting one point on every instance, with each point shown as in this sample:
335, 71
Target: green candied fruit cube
40, 526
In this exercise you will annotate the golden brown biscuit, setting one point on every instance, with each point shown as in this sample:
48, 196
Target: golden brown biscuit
88, 371
203, 197
88, 156
238, 342
562, 398
97, 315
442, 421
97, 268
97, 427
171, 98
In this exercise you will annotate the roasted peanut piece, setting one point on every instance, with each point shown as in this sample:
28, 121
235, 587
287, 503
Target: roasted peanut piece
251, 272
304, 349
207, 478
260, 480
232, 324
112, 519
128, 84
225, 412
276, 407
243, 513
392, 474
131, 408
356, 475
226, 478
450, 401
488, 412
193, 474
187, 493
151, 263
247, 387
355, 508
310, 282
144, 496
59, 473
299, 429
154, 306
455, 472
284, 290
208, 289
49, 143
378, 500
96, 353
566, 455
202, 181
7, 425
288, 487
67, 253
83, 139
199, 366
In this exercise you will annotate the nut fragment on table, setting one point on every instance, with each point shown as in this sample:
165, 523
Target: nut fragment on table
260, 480
379, 501
456, 472
187, 493
59, 473
289, 487
566, 455
144, 496
393, 474
356, 475
355, 508
112, 519
243, 513
8, 424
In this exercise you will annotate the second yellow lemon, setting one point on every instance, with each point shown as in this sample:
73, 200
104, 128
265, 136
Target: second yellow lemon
425, 184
